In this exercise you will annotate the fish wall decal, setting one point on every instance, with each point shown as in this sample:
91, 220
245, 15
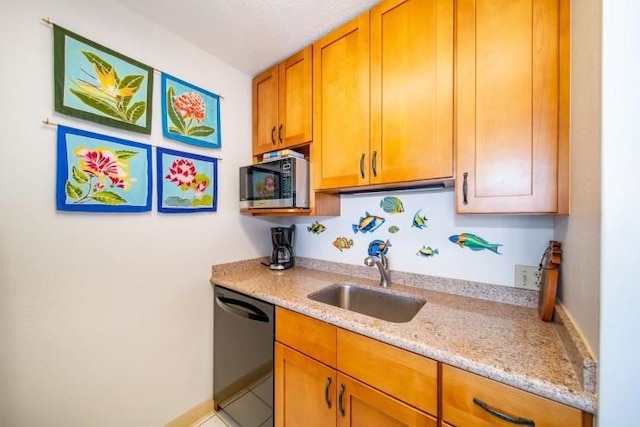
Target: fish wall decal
473, 242
419, 221
368, 223
427, 252
392, 205
316, 228
342, 243
378, 246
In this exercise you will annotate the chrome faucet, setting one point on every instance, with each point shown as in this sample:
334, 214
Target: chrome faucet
383, 266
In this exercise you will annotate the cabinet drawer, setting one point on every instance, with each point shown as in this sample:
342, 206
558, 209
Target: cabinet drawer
312, 337
406, 376
460, 388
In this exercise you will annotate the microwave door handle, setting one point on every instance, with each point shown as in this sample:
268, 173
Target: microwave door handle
254, 313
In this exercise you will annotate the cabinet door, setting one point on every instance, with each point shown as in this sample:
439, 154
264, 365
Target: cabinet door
362, 406
460, 390
341, 106
305, 390
507, 76
265, 111
294, 99
411, 90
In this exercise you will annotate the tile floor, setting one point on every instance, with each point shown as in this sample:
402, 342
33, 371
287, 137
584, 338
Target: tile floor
251, 408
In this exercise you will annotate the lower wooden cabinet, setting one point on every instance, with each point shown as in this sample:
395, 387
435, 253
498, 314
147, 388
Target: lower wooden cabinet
309, 393
311, 389
470, 400
327, 376
305, 390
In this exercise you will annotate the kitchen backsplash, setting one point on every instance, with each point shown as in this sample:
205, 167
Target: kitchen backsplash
420, 233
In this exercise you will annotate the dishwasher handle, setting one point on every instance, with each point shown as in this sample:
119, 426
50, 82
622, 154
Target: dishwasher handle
254, 313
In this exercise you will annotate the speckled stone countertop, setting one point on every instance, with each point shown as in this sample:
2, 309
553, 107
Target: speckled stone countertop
499, 340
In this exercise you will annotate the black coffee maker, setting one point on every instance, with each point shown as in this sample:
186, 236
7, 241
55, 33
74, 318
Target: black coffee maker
282, 255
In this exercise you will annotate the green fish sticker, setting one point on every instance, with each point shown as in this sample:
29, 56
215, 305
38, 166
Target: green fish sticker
427, 252
391, 205
394, 229
419, 221
316, 228
474, 242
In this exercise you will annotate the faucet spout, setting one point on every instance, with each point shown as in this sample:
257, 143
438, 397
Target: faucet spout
383, 266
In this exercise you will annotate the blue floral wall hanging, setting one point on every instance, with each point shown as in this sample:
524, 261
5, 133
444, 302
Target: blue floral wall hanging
100, 173
187, 182
189, 114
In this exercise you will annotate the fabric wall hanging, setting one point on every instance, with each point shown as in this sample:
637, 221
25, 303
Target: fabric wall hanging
99, 173
93, 82
189, 114
186, 182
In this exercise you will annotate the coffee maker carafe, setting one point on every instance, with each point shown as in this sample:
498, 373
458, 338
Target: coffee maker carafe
282, 255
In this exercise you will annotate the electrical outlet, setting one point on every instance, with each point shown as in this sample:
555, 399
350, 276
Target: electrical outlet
528, 277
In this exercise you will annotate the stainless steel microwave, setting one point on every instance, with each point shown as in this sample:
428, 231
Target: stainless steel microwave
282, 183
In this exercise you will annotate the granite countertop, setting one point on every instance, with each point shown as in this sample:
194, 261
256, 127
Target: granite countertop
499, 340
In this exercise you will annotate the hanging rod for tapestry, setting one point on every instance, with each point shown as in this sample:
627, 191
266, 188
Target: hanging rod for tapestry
48, 122
157, 70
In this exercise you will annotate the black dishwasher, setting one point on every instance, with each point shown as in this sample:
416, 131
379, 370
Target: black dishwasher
243, 334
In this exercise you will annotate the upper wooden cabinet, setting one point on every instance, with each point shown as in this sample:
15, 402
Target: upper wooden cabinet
512, 106
383, 97
282, 104
411, 91
341, 106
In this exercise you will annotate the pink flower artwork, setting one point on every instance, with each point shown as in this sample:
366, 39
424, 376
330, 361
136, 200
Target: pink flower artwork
101, 162
100, 173
190, 106
182, 172
185, 181
190, 114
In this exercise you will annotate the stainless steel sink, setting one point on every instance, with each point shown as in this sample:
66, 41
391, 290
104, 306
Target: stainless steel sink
379, 304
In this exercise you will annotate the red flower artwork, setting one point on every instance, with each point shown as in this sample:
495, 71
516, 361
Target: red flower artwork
182, 172
190, 106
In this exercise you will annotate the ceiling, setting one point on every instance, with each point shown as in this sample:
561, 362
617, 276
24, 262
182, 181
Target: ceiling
250, 35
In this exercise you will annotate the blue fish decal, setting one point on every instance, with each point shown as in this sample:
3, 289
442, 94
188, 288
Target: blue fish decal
427, 252
474, 242
368, 223
419, 221
378, 246
391, 205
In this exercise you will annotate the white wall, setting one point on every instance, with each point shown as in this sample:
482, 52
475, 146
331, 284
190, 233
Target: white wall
524, 238
106, 320
580, 231
620, 290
